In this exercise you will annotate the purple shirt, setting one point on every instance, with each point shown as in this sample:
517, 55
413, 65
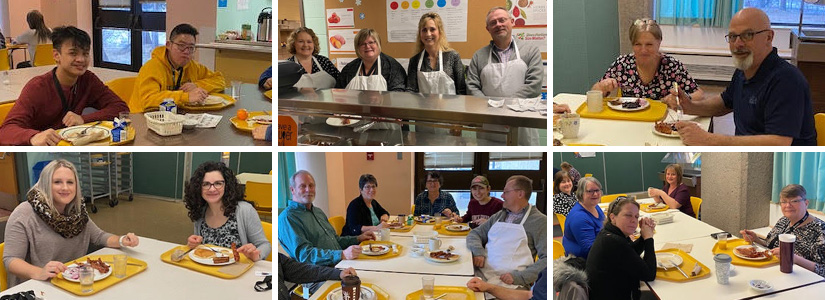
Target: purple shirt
682, 195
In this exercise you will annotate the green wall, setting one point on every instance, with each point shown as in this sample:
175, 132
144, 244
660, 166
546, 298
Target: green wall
156, 174
585, 42
252, 162
619, 172
230, 18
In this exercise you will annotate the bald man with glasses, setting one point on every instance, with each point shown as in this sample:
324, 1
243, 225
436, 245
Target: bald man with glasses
770, 98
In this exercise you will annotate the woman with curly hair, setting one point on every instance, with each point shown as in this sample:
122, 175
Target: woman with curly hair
221, 217
52, 226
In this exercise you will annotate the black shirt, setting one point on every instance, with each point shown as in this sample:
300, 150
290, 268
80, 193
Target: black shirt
614, 267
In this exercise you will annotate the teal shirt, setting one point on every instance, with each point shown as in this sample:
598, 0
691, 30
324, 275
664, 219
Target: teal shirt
308, 237
375, 220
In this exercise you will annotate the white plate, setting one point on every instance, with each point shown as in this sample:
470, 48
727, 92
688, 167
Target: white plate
760, 285
208, 261
457, 227
262, 119
673, 134
745, 257
366, 294
98, 275
69, 132
340, 122
645, 104
452, 259
212, 100
668, 260
366, 249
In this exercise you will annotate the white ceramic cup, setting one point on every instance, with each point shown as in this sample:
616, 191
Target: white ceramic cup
569, 124
594, 101
385, 234
435, 244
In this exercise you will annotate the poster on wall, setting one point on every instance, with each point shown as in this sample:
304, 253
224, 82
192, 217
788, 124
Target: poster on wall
340, 18
404, 16
342, 40
533, 36
528, 13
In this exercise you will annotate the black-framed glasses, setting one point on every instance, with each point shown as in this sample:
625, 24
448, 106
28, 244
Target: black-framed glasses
746, 36
185, 47
217, 184
370, 43
593, 191
792, 202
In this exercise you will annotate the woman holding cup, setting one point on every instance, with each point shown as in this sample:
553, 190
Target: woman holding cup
809, 248
364, 213
675, 193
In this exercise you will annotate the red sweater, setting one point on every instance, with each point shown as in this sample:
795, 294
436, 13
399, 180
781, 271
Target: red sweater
39, 106
476, 209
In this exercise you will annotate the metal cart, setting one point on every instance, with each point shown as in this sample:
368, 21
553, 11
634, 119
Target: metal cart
94, 171
122, 177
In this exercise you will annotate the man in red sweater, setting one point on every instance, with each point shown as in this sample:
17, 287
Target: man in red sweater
56, 99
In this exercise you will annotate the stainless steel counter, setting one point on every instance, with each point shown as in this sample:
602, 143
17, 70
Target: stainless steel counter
447, 111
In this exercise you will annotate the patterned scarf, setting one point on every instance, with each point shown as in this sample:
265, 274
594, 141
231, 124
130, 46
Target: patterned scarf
68, 226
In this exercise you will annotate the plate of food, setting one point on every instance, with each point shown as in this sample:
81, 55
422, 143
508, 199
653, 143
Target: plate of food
395, 225
749, 252
628, 104
366, 294
425, 219
101, 269
341, 122
211, 100
214, 255
668, 260
457, 227
262, 119
442, 257
665, 129
76, 134
660, 205
375, 249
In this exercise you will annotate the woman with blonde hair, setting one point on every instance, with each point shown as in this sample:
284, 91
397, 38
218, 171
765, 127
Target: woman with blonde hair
53, 227
317, 70
37, 34
372, 70
436, 69
647, 72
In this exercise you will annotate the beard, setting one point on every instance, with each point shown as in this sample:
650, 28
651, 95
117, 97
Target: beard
743, 63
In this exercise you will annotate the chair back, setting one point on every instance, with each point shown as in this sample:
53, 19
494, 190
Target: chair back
696, 203
4, 277
4, 60
259, 193
43, 55
558, 249
5, 108
561, 219
123, 87
337, 222
819, 124
610, 198
588, 175
412, 209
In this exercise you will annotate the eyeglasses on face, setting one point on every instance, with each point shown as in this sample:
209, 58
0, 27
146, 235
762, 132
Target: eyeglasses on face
746, 36
432, 180
792, 202
596, 191
370, 43
217, 184
509, 191
182, 47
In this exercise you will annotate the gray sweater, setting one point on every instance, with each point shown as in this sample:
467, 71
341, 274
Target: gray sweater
249, 228
536, 229
532, 80
29, 238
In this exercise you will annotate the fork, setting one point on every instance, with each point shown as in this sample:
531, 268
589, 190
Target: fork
90, 127
679, 111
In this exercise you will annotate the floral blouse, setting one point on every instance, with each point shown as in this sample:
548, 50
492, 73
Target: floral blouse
670, 70
810, 240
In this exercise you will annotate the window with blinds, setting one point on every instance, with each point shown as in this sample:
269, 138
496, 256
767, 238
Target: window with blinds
449, 161
515, 161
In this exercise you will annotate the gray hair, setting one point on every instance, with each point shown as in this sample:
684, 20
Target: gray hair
582, 186
495, 9
44, 186
792, 191
305, 172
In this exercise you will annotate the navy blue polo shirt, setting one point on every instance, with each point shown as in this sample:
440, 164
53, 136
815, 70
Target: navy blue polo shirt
775, 101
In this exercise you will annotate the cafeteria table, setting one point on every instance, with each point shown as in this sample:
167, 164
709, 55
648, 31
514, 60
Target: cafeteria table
399, 285
161, 280
422, 228
683, 226
19, 77
737, 288
811, 291
406, 263
618, 132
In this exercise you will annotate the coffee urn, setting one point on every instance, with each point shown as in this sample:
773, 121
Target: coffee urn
265, 25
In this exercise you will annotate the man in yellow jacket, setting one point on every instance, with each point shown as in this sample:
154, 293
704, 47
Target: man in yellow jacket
171, 73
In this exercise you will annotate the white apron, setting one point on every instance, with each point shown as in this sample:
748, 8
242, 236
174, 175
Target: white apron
318, 80
434, 82
507, 250
504, 80
368, 83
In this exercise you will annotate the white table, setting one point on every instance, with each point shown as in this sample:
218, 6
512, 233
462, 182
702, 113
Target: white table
398, 286
161, 280
406, 263
619, 132
19, 77
262, 178
683, 226
707, 288
813, 291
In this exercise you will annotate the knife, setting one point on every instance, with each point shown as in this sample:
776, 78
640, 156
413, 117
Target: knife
677, 268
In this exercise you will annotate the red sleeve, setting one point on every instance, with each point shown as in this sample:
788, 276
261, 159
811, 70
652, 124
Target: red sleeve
19, 126
107, 103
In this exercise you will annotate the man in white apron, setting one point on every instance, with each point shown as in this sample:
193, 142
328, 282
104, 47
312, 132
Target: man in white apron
512, 235
516, 72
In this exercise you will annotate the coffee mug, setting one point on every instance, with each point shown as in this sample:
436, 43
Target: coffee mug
569, 124
594, 101
435, 244
385, 234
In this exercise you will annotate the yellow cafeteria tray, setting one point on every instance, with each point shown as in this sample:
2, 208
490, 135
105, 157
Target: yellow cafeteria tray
211, 270
733, 243
655, 112
687, 266
133, 266
382, 295
106, 142
228, 101
443, 230
646, 208
387, 255
453, 293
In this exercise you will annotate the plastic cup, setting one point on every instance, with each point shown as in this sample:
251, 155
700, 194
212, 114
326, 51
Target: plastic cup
722, 241
236, 89
428, 287
120, 265
87, 279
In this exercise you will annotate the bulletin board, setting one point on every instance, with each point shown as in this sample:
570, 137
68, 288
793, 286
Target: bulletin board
375, 12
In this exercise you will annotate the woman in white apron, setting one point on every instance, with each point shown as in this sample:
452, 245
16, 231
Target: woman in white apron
504, 80
319, 72
435, 76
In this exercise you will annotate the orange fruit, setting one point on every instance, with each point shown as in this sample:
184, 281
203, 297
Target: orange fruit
242, 114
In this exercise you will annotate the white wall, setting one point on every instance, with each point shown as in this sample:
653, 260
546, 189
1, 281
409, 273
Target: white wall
316, 164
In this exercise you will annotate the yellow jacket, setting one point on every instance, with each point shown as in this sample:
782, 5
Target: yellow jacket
155, 82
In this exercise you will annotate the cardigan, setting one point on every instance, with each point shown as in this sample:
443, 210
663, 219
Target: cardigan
358, 214
250, 228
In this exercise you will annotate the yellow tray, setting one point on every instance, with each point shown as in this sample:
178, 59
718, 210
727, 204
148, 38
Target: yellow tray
244, 124
133, 267
406, 228
687, 266
108, 125
382, 295
579, 144
646, 208
228, 101
443, 230
743, 262
382, 256
655, 112
453, 293
268, 94
211, 270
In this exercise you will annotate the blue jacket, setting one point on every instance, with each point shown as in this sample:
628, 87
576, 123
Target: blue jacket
308, 237
264, 76
580, 230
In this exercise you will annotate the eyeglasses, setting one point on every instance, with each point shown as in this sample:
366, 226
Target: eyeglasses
370, 187
792, 202
746, 36
593, 191
506, 191
185, 47
432, 180
217, 184
370, 43
644, 21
